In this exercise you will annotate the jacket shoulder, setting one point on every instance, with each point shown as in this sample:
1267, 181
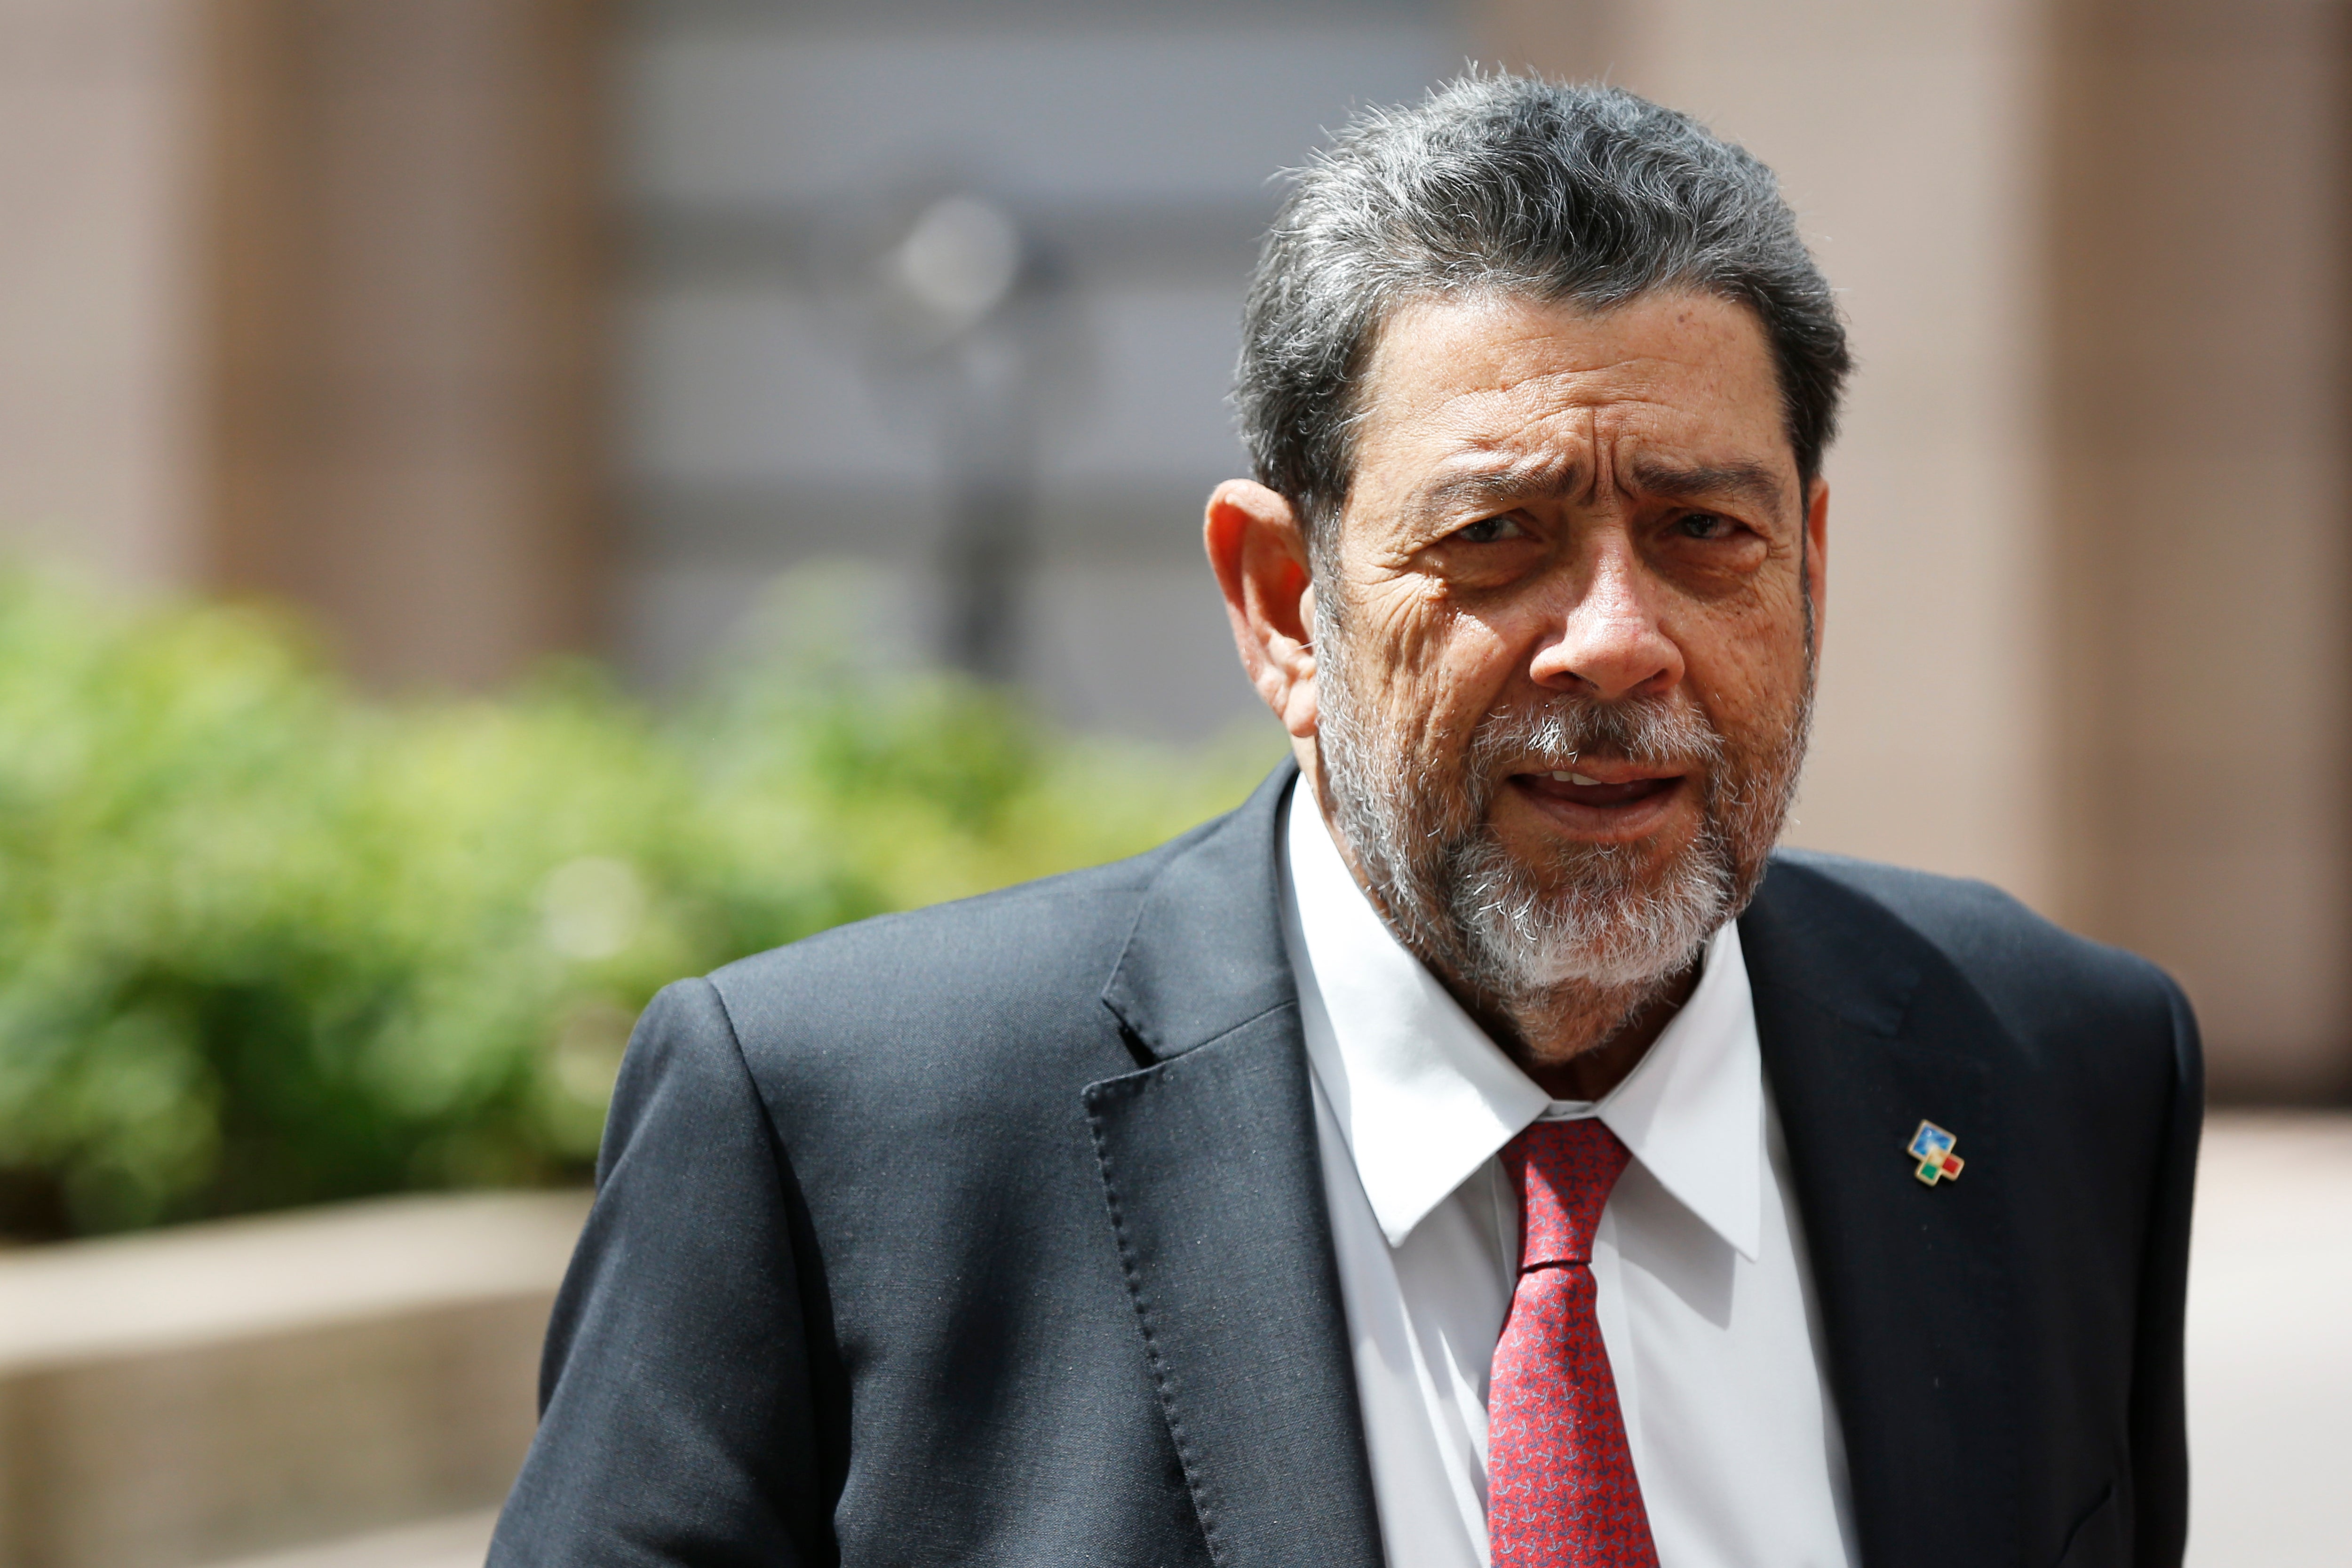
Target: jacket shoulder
970, 943
995, 994
2029, 968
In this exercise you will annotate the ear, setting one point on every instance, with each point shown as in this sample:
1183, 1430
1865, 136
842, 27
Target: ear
1259, 553
1817, 559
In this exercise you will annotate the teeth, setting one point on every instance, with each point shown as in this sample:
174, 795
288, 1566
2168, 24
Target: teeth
1572, 779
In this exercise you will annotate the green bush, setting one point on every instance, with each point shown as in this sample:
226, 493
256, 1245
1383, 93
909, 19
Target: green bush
263, 942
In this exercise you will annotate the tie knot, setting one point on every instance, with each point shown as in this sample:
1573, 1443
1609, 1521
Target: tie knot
1564, 1171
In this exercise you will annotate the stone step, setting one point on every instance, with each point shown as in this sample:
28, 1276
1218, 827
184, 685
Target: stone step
226, 1389
458, 1542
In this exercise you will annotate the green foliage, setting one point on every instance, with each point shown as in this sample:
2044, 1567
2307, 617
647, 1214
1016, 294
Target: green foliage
263, 942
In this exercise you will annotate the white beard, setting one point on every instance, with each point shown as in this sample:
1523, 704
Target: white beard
1604, 917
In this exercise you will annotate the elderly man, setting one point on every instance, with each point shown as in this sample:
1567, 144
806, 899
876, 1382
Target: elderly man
1480, 1147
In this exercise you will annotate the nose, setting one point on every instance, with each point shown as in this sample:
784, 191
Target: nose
1608, 645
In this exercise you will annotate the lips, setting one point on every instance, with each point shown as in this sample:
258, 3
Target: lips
1617, 803
1597, 789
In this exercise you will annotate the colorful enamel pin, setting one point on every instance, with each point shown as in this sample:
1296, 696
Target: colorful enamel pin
1932, 1147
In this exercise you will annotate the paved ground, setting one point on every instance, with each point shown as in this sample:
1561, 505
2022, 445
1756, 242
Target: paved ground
2270, 1363
2269, 1344
459, 1542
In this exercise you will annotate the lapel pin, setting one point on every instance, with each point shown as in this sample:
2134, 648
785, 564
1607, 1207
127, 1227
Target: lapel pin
1932, 1147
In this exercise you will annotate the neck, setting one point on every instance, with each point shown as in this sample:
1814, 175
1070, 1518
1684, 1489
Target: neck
1579, 1041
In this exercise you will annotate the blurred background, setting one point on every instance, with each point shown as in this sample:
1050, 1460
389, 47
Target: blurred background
513, 501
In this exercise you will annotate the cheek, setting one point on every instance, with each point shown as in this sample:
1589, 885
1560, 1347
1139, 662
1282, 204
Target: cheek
1748, 675
1744, 654
1429, 669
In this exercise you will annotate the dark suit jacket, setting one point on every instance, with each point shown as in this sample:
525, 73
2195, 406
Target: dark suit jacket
996, 1234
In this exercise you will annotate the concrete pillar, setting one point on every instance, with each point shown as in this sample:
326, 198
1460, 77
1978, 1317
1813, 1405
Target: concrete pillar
303, 298
98, 297
405, 420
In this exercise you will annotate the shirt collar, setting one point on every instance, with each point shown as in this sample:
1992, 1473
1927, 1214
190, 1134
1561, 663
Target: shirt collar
1424, 1098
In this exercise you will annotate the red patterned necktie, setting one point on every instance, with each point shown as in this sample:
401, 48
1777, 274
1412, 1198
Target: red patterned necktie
1560, 1490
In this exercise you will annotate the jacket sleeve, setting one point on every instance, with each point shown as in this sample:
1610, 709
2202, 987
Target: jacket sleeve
2158, 1415
677, 1423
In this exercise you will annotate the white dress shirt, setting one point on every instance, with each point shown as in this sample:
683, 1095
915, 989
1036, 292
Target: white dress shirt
1704, 1295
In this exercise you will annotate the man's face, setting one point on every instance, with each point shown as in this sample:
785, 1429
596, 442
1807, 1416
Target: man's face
1562, 634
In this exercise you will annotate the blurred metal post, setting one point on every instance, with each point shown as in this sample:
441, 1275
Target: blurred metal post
961, 296
985, 550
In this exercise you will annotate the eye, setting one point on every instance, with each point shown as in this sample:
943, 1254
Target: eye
1703, 525
1489, 531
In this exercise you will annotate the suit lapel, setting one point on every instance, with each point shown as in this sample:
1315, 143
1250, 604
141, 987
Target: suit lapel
1212, 1176
1867, 1029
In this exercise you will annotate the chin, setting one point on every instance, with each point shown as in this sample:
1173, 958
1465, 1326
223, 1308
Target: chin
1560, 862
1607, 916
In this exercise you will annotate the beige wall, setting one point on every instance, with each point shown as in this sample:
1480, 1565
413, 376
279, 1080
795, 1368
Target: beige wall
98, 297
2089, 612
2198, 336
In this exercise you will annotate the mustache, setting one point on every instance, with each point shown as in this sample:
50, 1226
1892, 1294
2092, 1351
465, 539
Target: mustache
1648, 732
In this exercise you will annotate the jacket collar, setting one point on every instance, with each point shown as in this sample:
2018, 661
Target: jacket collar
1214, 1190
1205, 954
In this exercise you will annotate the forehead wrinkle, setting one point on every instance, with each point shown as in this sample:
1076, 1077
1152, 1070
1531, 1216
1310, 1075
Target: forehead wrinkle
1527, 411
1545, 474
1558, 473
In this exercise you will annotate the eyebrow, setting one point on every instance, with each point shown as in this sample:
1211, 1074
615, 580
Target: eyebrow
1527, 478
1552, 476
1751, 482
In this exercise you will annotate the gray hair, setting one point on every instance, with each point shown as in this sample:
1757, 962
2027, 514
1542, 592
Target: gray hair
1512, 184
